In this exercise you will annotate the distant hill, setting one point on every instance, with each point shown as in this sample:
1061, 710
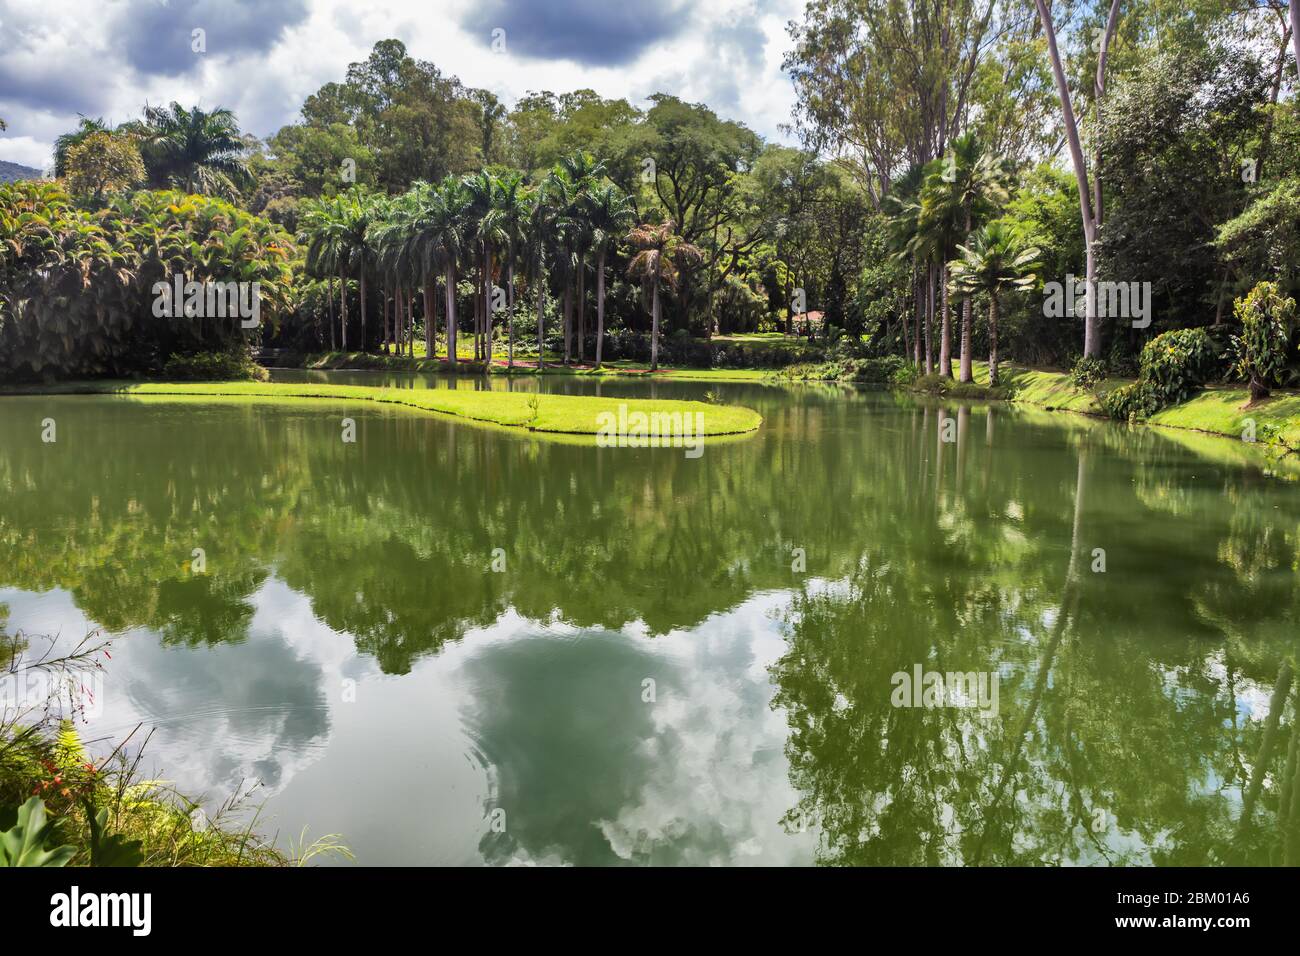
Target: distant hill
12, 172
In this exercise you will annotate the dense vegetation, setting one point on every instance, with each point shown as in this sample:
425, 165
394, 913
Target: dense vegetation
928, 215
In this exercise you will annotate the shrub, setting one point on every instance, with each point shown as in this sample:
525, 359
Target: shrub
1088, 373
1259, 353
1177, 363
213, 367
1130, 402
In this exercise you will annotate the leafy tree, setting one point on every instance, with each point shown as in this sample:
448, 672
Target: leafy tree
103, 163
1260, 351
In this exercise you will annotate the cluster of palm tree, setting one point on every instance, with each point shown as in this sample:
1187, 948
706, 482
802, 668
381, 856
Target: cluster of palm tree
504, 236
193, 150
939, 222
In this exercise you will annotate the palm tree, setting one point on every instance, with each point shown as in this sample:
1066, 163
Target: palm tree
662, 255
989, 263
193, 150
904, 209
484, 192
584, 172
542, 237
976, 185
511, 212
322, 234
609, 213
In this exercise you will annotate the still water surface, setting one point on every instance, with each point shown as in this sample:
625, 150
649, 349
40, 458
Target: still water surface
683, 661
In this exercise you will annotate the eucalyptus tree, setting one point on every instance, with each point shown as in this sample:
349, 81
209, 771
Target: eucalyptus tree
661, 256
993, 262
609, 214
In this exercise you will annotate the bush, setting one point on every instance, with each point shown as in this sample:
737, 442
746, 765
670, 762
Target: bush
1130, 402
1177, 363
1088, 373
1259, 353
213, 367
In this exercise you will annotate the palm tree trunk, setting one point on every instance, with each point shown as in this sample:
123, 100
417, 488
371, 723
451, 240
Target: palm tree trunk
487, 307
343, 306
920, 307
428, 316
362, 270
929, 319
945, 335
451, 314
510, 310
993, 340
568, 307
967, 373
582, 309
654, 324
600, 303
541, 314
329, 295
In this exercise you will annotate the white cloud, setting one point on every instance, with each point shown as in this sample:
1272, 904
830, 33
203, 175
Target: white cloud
54, 64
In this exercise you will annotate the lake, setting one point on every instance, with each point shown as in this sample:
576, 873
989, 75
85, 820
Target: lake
451, 644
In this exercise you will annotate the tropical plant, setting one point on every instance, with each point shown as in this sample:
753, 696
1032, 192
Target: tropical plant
103, 163
1259, 353
659, 260
28, 841
990, 263
193, 150
609, 214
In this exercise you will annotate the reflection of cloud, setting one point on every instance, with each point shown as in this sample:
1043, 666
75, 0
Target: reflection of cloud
588, 773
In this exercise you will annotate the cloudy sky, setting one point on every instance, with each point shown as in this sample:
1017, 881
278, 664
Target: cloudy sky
61, 58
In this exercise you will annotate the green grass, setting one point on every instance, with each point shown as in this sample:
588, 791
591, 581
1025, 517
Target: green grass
557, 414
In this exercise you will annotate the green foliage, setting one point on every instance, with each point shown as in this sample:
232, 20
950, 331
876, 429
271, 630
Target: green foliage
1173, 366
213, 367
1088, 373
1259, 353
28, 841
110, 849
77, 288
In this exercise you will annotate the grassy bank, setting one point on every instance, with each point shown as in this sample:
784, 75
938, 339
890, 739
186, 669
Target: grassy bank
558, 414
1215, 410
370, 361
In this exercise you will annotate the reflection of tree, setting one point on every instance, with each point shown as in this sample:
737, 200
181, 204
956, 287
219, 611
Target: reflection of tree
1100, 723
1121, 693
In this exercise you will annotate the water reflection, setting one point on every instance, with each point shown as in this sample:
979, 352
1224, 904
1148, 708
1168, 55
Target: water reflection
350, 647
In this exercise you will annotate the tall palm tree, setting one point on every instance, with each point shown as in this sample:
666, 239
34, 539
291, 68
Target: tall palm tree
510, 212
661, 256
542, 237
321, 233
194, 150
609, 214
990, 263
903, 208
445, 221
484, 191
976, 184
583, 171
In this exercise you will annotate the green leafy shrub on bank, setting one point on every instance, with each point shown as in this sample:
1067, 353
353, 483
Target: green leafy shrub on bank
1173, 367
1259, 353
879, 370
214, 367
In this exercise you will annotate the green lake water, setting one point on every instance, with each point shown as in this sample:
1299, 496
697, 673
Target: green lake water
457, 645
